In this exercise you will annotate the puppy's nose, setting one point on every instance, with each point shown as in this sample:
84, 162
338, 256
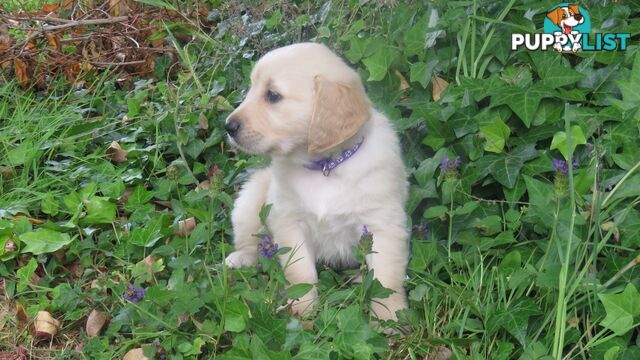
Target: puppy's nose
577, 17
232, 126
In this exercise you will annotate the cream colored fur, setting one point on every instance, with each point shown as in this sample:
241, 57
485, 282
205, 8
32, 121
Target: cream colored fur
323, 110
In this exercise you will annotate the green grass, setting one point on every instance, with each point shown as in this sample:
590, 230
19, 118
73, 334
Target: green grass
511, 258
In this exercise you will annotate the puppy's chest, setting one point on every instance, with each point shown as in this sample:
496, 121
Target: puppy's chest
324, 198
333, 224
329, 207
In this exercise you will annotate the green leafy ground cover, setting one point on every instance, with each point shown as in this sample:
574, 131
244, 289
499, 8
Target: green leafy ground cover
515, 255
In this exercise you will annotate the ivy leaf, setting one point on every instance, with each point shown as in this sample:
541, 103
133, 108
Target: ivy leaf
507, 170
378, 64
496, 135
524, 102
298, 290
560, 141
435, 212
540, 193
621, 309
49, 204
25, 273
630, 87
139, 196
510, 263
504, 168
146, 235
478, 87
555, 79
421, 72
630, 228
415, 39
44, 241
464, 122
235, 316
99, 211
514, 319
356, 49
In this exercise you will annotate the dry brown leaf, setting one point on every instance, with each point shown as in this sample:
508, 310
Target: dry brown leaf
72, 72
7, 172
150, 65
5, 39
148, 264
53, 40
49, 8
204, 185
404, 85
222, 104
86, 67
21, 316
120, 7
158, 43
135, 354
115, 153
20, 68
307, 325
75, 268
95, 284
203, 122
185, 227
45, 325
163, 204
439, 353
95, 323
611, 225
125, 196
439, 85
182, 319
31, 220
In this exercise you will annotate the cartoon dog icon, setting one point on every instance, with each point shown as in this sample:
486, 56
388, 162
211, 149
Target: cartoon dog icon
566, 18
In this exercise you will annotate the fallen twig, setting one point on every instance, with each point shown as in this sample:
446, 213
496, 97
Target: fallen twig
73, 23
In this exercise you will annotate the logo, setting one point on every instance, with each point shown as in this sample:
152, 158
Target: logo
567, 28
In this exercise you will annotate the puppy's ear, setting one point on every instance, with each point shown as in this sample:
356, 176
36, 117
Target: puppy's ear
339, 111
574, 9
555, 16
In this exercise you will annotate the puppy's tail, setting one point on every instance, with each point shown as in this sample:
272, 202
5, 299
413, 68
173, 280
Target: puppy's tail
245, 216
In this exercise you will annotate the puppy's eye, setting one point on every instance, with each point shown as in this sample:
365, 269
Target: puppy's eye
272, 96
564, 16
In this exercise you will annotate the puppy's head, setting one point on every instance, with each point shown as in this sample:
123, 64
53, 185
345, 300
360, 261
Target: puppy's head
303, 97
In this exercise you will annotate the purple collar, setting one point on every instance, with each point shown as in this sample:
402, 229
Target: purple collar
326, 165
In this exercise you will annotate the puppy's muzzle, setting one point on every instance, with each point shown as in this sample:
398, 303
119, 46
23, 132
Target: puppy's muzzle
232, 126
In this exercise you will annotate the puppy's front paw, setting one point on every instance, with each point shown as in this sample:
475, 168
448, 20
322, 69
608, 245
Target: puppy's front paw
302, 306
239, 259
385, 309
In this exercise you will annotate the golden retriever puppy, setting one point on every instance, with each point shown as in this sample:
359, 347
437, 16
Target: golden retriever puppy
336, 168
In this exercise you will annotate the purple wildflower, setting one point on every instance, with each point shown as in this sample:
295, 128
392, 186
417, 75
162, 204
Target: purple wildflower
450, 167
266, 248
450, 164
422, 229
365, 245
133, 294
160, 350
560, 166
